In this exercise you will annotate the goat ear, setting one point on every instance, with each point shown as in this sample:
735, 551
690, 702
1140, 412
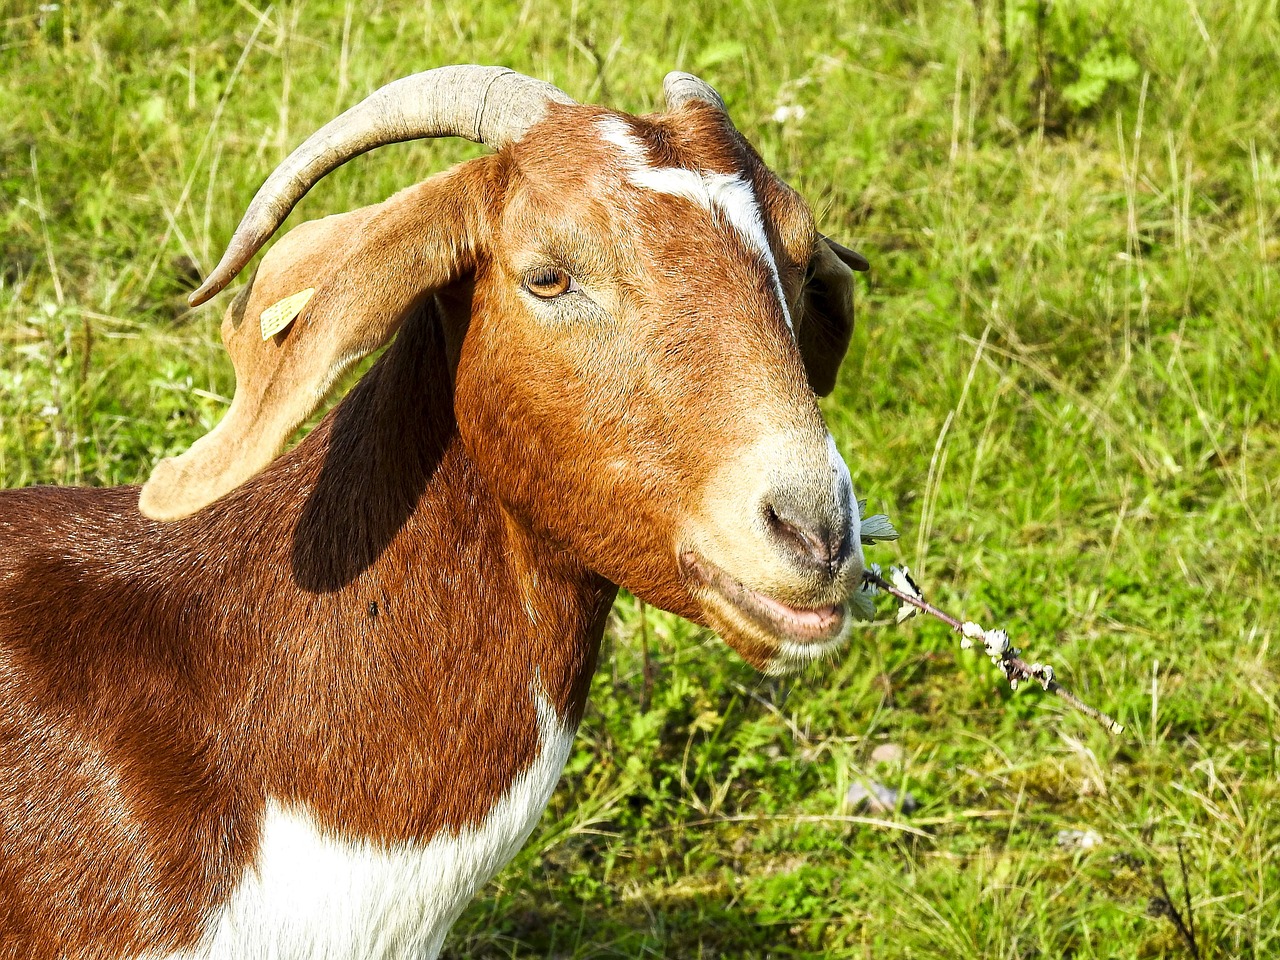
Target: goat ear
826, 321
369, 268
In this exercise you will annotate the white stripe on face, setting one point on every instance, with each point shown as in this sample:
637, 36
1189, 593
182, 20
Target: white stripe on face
722, 194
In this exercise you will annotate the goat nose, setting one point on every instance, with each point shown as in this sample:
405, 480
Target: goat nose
812, 538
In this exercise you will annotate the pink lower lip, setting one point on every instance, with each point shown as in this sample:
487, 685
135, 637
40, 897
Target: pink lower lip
800, 624
822, 619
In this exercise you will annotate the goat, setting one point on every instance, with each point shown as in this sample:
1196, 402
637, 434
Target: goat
304, 705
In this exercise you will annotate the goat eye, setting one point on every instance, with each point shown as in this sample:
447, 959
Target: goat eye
548, 282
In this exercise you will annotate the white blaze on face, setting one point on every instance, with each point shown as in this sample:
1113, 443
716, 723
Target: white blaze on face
725, 195
842, 481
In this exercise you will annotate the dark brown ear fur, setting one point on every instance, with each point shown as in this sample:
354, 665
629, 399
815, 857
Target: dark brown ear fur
826, 316
369, 268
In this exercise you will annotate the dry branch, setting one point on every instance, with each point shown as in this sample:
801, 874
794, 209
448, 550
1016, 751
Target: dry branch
1002, 653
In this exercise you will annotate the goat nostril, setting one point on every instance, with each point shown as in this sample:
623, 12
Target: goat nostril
814, 543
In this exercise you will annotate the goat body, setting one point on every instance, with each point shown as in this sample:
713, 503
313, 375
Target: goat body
314, 707
256, 683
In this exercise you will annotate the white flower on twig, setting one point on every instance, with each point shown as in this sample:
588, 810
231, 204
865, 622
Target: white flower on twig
969, 632
901, 578
1044, 673
997, 642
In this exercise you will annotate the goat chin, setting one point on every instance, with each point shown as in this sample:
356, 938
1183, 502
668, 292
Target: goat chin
307, 704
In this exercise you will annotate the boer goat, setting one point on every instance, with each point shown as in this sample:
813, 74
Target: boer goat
305, 705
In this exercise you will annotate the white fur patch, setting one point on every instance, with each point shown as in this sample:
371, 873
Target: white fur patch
728, 196
314, 896
840, 480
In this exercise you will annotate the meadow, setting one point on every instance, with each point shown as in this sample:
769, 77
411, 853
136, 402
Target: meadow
1064, 389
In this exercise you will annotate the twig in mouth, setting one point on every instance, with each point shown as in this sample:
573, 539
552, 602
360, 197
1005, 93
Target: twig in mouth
1002, 653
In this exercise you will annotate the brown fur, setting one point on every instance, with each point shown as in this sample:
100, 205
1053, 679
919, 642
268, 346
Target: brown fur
354, 629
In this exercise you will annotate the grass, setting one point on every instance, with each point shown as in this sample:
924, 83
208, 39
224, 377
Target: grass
1064, 389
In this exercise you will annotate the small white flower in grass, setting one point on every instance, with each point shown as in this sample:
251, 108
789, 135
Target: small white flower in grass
787, 112
1079, 839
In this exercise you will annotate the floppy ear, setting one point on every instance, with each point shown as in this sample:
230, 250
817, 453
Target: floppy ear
826, 320
369, 268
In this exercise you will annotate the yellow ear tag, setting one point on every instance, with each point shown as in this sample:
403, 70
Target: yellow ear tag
282, 313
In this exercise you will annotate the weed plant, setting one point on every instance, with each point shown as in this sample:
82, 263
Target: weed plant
1064, 389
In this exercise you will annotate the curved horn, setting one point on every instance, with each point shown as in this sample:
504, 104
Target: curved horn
490, 105
681, 87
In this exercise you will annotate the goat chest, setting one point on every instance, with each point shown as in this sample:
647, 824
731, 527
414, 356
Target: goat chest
311, 895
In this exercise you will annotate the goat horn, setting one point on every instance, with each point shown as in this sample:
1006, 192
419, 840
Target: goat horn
681, 87
490, 105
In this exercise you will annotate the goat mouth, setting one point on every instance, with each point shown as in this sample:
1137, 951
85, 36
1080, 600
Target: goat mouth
817, 627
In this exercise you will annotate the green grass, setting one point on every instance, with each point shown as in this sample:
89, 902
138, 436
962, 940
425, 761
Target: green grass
1064, 389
